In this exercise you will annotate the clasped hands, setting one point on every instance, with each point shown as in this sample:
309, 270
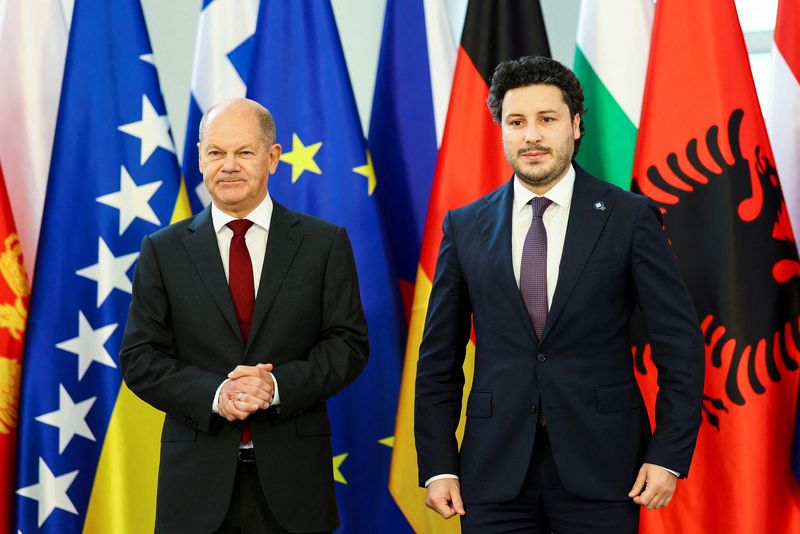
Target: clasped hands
249, 388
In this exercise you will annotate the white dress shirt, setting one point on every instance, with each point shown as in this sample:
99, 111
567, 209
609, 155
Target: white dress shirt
256, 240
555, 219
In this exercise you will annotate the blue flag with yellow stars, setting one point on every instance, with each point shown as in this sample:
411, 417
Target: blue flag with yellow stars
88, 449
299, 74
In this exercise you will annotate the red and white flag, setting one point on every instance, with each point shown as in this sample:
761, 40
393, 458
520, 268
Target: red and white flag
783, 106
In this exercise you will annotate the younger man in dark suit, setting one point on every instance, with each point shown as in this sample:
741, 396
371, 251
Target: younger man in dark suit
549, 269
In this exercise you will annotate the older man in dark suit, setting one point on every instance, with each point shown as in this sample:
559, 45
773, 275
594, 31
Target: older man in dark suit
245, 319
549, 269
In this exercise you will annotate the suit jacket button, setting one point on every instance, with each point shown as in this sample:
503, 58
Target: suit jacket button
541, 357
533, 408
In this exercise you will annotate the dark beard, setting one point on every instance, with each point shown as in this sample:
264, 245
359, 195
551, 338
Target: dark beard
547, 179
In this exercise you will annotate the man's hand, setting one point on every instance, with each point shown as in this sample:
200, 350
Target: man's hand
444, 497
248, 389
658, 485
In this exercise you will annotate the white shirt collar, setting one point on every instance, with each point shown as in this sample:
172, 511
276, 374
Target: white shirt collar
261, 215
560, 194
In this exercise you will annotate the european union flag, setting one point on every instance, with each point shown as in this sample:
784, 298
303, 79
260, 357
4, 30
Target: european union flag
299, 74
113, 179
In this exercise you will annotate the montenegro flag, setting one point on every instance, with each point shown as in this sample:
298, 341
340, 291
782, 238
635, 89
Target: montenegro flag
14, 295
703, 156
470, 164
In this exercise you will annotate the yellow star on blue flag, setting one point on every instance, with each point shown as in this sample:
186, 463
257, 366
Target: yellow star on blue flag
301, 77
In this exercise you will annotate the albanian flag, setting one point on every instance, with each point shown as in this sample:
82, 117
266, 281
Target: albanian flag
704, 157
471, 163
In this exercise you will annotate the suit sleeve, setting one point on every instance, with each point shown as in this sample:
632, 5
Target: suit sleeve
342, 352
147, 354
676, 341
440, 373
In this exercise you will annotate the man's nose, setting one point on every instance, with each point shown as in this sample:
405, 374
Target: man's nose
532, 133
231, 164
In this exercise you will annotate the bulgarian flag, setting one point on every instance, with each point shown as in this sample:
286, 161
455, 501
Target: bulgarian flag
611, 62
703, 157
14, 296
470, 164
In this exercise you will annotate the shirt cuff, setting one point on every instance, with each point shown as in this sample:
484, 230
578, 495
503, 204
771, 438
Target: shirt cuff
670, 470
439, 477
215, 402
276, 396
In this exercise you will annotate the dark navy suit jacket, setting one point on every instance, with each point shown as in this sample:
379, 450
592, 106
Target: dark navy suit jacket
581, 371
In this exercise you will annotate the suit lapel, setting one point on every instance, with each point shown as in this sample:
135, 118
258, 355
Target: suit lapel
284, 239
583, 229
494, 221
201, 244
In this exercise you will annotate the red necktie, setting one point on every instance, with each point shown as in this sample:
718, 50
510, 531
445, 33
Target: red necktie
240, 280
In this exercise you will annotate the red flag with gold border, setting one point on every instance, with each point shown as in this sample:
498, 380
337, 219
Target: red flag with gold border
14, 295
703, 156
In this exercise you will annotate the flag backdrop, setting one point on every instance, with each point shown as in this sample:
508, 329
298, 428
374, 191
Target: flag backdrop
88, 449
299, 74
222, 56
33, 40
611, 62
14, 295
703, 156
471, 163
402, 130
783, 124
783, 109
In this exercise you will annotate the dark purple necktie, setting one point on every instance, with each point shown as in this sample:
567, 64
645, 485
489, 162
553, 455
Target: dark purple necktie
533, 271
240, 280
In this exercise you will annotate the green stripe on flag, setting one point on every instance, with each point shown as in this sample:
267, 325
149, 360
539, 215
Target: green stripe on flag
610, 138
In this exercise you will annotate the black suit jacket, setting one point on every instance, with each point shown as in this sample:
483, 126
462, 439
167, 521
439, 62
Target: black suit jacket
613, 260
182, 339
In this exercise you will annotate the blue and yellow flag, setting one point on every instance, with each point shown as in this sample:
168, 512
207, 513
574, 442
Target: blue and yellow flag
88, 449
299, 74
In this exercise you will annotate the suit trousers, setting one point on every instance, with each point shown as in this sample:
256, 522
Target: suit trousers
248, 511
544, 506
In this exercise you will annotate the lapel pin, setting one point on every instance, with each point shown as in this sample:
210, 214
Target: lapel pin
599, 206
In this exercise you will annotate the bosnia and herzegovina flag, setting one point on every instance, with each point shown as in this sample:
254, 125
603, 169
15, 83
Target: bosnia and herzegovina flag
703, 156
299, 74
222, 57
88, 449
612, 47
471, 163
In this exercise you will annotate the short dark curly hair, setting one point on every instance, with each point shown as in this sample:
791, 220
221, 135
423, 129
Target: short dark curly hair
536, 70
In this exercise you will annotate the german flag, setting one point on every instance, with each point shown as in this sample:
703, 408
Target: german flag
14, 295
704, 158
471, 163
